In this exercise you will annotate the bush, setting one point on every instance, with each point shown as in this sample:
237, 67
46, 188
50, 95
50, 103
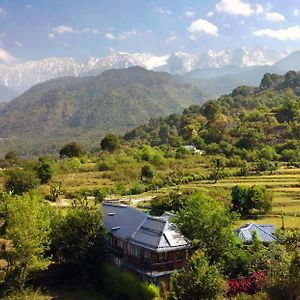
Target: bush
108, 164
70, 164
137, 188
124, 285
20, 181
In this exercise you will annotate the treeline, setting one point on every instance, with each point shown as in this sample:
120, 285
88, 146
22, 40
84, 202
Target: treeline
250, 123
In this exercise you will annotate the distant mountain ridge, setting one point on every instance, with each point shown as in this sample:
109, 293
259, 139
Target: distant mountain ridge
85, 109
20, 77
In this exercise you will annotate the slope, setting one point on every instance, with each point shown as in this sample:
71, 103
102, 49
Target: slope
55, 112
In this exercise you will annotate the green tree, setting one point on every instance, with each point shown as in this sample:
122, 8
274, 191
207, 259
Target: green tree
260, 198
147, 173
207, 224
245, 199
45, 172
239, 200
78, 236
217, 172
28, 227
71, 150
19, 181
198, 280
110, 143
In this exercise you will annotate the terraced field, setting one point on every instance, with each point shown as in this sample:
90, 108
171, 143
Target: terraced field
285, 185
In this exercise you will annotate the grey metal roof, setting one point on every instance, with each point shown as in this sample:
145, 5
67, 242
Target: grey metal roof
265, 232
156, 233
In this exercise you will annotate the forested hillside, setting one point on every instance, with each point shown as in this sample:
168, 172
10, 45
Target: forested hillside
53, 113
241, 122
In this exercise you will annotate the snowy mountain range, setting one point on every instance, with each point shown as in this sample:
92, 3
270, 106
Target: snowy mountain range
20, 77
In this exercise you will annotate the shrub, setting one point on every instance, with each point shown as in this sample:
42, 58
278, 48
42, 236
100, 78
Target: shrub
248, 285
70, 164
137, 188
20, 181
124, 285
108, 164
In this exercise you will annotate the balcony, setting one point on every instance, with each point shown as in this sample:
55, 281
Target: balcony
116, 251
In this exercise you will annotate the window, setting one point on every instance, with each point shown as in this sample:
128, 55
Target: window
162, 256
120, 244
133, 250
146, 254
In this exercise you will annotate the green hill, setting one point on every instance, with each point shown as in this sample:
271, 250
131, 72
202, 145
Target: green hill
56, 112
238, 123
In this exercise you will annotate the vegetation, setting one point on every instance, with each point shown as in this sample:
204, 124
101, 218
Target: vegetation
198, 280
19, 181
233, 160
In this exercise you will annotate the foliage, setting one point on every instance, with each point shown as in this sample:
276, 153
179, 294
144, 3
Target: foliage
217, 171
245, 199
28, 228
124, 285
73, 149
70, 164
251, 284
136, 188
55, 191
147, 173
207, 224
198, 280
77, 238
45, 172
20, 181
110, 143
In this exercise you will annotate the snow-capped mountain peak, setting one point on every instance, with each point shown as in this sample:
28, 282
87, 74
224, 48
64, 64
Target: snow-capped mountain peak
20, 77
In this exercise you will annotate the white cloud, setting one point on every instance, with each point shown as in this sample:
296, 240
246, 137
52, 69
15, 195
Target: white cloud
28, 6
202, 26
209, 14
19, 44
163, 11
274, 17
5, 56
109, 36
189, 13
127, 34
122, 36
2, 12
64, 29
291, 33
296, 12
171, 39
234, 7
259, 9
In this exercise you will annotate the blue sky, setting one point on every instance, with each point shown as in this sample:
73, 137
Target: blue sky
31, 30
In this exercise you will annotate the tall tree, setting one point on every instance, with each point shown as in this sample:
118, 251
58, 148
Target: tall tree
199, 280
71, 150
28, 227
207, 224
78, 236
20, 181
110, 143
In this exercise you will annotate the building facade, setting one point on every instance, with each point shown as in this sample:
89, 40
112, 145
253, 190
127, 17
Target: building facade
151, 247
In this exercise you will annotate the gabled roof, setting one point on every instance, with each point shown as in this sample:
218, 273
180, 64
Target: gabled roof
265, 232
156, 233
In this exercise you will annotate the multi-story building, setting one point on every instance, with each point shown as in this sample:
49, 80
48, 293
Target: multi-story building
152, 247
